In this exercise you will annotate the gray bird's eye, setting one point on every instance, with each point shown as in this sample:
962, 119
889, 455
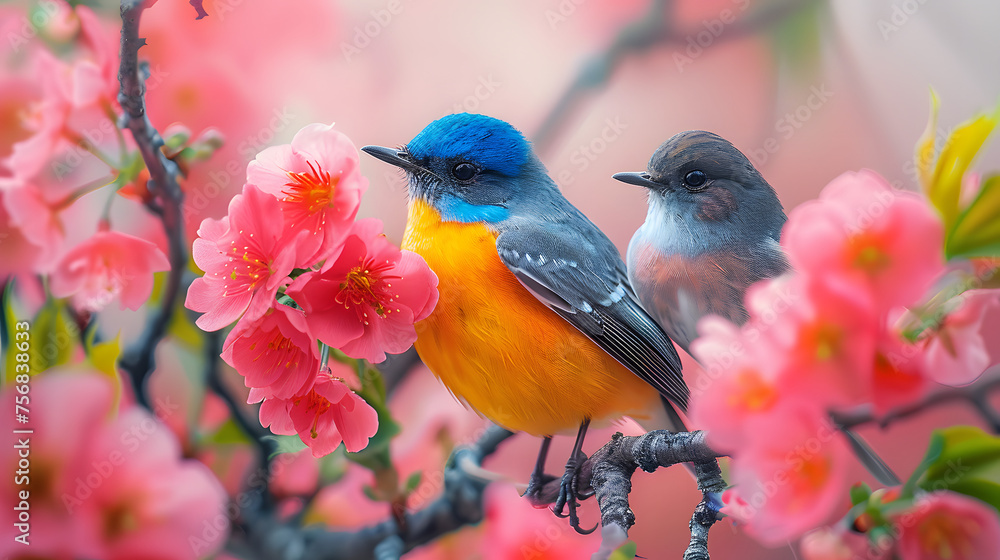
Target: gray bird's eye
464, 171
695, 178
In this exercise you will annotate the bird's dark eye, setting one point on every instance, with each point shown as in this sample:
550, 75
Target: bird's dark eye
464, 171
695, 178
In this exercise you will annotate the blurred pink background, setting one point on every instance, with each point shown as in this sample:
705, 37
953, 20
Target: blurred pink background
822, 89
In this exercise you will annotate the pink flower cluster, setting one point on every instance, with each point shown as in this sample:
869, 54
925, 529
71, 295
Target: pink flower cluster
941, 525
100, 484
829, 336
65, 145
292, 233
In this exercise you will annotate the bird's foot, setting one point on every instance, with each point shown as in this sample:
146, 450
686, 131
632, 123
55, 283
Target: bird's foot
569, 492
534, 491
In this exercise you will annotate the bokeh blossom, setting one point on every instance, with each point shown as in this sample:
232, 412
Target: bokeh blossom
106, 485
861, 230
825, 337
955, 352
108, 265
948, 526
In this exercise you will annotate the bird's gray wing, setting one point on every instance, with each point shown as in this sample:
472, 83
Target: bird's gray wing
584, 281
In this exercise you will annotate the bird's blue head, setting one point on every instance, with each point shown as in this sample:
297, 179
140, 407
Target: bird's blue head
471, 168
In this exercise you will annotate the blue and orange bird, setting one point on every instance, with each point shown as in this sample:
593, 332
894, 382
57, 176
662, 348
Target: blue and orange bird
711, 230
537, 327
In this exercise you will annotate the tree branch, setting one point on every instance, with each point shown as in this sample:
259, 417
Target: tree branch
250, 426
609, 473
975, 394
139, 359
649, 30
461, 504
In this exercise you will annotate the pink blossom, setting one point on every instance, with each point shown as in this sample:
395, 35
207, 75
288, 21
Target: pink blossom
823, 331
18, 256
106, 487
245, 259
955, 353
276, 353
791, 482
108, 265
323, 417
318, 182
367, 299
945, 525
345, 504
897, 374
743, 392
45, 118
294, 474
863, 231
36, 219
838, 544
516, 530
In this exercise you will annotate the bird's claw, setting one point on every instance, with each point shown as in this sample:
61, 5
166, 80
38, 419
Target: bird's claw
534, 491
569, 492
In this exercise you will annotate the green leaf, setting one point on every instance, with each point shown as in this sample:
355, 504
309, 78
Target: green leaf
932, 455
227, 434
369, 493
624, 552
983, 490
285, 444
967, 451
104, 358
797, 37
925, 147
376, 455
961, 148
968, 463
52, 337
860, 493
10, 326
413, 481
977, 229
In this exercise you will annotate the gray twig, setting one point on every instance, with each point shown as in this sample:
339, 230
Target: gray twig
614, 464
649, 30
139, 359
461, 504
974, 394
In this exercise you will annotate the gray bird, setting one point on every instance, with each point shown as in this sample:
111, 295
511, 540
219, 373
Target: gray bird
711, 230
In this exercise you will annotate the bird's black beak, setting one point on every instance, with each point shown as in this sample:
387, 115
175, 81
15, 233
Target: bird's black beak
642, 179
398, 158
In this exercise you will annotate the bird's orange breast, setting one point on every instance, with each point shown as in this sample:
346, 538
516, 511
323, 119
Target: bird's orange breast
503, 352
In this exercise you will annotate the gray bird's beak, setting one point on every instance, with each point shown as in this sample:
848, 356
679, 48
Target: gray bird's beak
642, 179
395, 157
